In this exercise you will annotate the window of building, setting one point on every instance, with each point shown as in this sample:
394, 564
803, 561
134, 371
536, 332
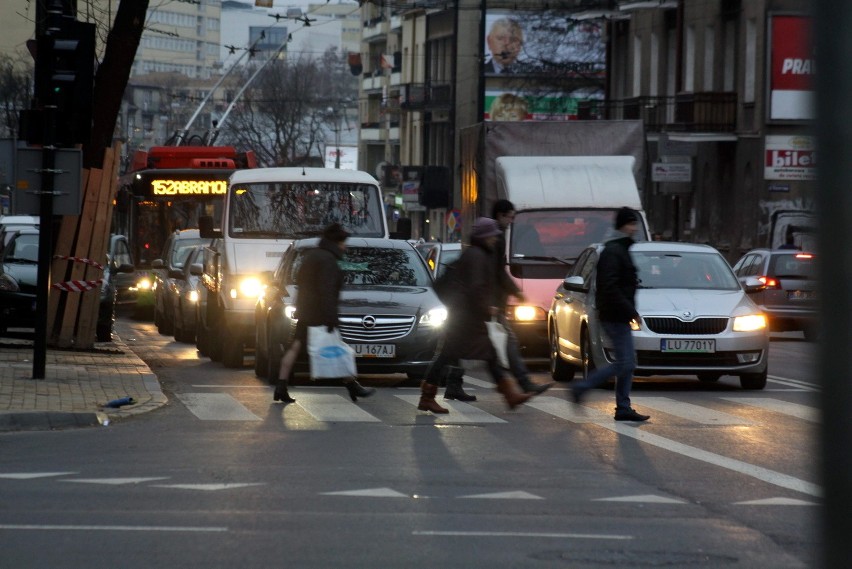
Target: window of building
750, 63
689, 60
709, 54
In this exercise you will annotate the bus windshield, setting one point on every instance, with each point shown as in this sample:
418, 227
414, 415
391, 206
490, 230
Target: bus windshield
291, 210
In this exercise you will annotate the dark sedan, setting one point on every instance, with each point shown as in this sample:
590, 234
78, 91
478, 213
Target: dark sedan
18, 275
388, 310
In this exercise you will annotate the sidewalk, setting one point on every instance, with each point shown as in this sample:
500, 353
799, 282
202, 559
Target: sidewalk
76, 386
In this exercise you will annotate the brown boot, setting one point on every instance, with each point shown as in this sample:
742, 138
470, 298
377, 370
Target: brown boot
507, 388
427, 399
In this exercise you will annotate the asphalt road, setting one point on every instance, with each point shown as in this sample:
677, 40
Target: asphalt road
222, 477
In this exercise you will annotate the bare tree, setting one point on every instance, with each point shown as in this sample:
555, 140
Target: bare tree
283, 115
15, 92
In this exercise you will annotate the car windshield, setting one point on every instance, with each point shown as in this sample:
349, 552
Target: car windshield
182, 249
448, 256
293, 210
691, 270
371, 266
798, 266
24, 248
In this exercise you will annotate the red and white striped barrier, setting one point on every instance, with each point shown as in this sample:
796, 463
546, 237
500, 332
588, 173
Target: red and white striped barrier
78, 286
79, 260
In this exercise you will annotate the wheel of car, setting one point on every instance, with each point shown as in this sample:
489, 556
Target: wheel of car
709, 377
202, 343
586, 354
560, 370
232, 351
181, 333
753, 380
104, 331
164, 325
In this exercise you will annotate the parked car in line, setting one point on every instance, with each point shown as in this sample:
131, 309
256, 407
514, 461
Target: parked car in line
439, 255
182, 293
18, 278
9, 224
696, 318
175, 251
789, 294
389, 312
19, 274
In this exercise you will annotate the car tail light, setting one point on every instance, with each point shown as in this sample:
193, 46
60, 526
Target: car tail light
804, 256
769, 282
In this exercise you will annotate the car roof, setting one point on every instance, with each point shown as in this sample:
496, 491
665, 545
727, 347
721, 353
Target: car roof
373, 242
672, 247
187, 234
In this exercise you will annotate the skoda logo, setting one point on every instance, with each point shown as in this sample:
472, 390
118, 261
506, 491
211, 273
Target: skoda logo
687, 315
368, 322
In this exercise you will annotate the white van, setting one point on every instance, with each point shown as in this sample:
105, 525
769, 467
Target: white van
265, 210
562, 205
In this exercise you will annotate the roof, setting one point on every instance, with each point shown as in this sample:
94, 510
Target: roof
298, 174
375, 242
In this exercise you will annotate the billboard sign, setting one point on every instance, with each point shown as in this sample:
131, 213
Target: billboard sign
790, 158
792, 68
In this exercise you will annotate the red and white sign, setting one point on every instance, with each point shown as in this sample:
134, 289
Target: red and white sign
793, 69
790, 158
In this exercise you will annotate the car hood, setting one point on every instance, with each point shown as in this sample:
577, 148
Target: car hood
26, 274
388, 299
657, 302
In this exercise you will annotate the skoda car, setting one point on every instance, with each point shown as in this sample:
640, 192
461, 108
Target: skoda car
696, 318
389, 312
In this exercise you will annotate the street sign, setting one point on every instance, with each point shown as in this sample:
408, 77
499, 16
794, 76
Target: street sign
67, 181
671, 172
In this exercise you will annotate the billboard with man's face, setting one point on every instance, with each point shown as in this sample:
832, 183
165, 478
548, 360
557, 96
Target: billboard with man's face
541, 65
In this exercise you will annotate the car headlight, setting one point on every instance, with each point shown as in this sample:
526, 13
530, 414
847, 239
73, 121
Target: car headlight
749, 323
435, 317
526, 313
144, 283
290, 312
248, 287
8, 284
635, 326
192, 295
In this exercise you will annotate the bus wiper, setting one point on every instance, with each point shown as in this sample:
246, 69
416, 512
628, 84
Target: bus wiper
565, 261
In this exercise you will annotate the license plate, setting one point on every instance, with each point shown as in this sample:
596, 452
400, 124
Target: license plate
801, 295
374, 350
688, 346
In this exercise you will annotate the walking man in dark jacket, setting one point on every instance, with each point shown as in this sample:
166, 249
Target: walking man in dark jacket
615, 298
319, 282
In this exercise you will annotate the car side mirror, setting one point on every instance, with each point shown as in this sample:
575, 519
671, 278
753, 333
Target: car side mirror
575, 283
196, 269
753, 284
157, 264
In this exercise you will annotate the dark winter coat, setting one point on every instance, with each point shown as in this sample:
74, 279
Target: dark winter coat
320, 280
504, 286
616, 282
466, 335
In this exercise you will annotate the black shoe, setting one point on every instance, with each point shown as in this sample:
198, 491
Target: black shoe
281, 393
630, 415
357, 390
458, 394
576, 396
535, 388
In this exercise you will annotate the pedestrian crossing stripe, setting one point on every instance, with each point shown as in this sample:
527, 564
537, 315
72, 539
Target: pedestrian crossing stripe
695, 413
114, 481
216, 407
803, 412
331, 408
459, 412
32, 475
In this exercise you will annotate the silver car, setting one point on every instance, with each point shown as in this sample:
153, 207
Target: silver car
696, 318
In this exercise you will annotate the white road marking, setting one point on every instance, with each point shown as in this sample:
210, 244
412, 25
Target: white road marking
521, 534
114, 481
459, 412
776, 502
803, 385
567, 411
38, 527
216, 407
368, 492
516, 495
697, 413
332, 408
31, 475
643, 498
803, 412
209, 487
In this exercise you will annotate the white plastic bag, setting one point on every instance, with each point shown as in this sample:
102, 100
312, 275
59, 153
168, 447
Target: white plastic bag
498, 336
329, 355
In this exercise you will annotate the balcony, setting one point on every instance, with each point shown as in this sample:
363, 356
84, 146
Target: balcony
425, 96
700, 112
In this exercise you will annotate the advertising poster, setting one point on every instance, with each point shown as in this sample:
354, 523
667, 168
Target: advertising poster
790, 158
792, 69
530, 106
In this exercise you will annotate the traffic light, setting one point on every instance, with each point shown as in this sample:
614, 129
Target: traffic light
65, 67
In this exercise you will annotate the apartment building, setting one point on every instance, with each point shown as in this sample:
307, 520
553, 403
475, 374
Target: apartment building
723, 87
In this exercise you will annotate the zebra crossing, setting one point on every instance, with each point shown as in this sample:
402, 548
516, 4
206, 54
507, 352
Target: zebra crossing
324, 405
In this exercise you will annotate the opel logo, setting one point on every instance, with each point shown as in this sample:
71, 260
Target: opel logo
368, 322
687, 315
